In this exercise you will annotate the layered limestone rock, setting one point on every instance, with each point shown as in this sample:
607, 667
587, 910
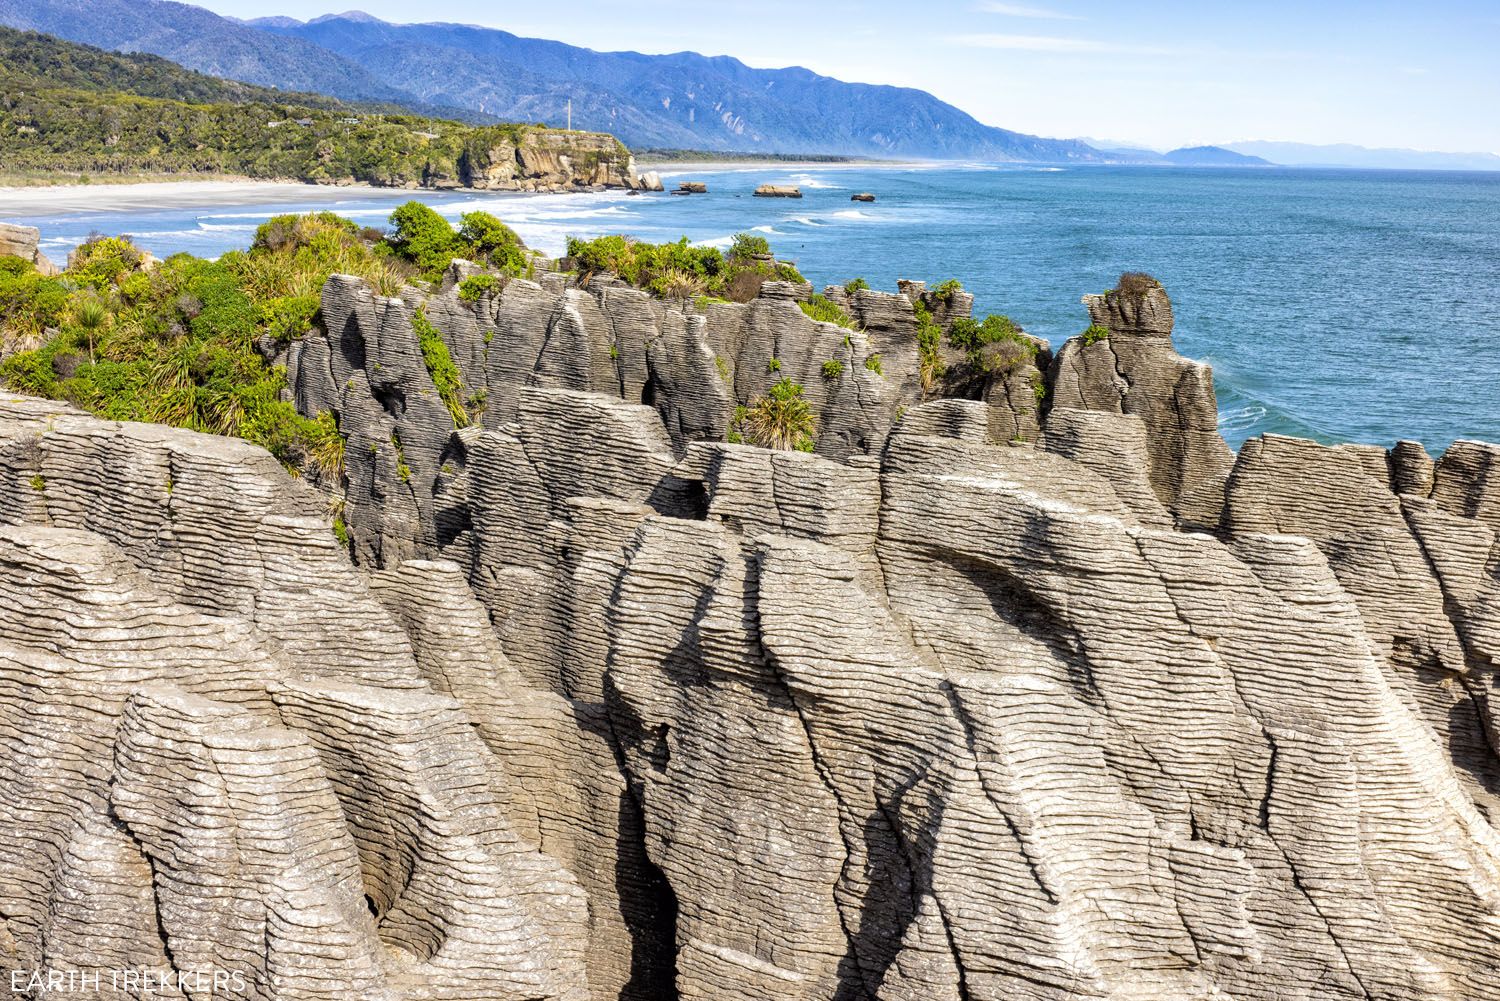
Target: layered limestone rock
222, 755
1135, 370
605, 706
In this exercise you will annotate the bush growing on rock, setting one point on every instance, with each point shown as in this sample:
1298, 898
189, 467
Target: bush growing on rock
1135, 284
440, 365
824, 310
944, 292
667, 269
1094, 334
782, 419
474, 287
425, 239
748, 245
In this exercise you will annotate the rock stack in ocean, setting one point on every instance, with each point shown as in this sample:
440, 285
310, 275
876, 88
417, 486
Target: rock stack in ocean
967, 704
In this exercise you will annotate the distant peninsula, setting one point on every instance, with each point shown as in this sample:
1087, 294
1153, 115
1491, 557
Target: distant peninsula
76, 111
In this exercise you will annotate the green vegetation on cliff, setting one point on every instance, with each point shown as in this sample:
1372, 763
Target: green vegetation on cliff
186, 341
681, 270
780, 419
176, 343
429, 242
69, 108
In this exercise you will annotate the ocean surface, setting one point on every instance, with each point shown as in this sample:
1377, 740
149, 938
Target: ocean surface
1340, 305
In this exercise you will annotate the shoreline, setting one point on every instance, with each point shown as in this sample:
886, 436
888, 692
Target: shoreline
72, 199
676, 167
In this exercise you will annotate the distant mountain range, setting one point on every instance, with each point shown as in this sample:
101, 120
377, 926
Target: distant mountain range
681, 100
1345, 155
1187, 156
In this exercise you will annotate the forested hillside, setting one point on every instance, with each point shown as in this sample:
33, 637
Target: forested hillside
72, 108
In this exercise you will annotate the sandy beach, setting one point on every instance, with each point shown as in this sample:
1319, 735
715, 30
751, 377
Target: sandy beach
64, 199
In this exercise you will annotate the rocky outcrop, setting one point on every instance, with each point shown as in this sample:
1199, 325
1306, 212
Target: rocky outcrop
21, 241
1134, 369
552, 160
778, 191
606, 706
222, 755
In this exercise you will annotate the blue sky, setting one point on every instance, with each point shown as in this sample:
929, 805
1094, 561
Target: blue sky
1159, 72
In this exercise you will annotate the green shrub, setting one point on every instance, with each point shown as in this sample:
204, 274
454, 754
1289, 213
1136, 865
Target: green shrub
782, 419
485, 239
774, 365
825, 311
424, 238
474, 287
872, 363
101, 261
748, 245
671, 270
855, 284
945, 290
832, 369
289, 317
1095, 333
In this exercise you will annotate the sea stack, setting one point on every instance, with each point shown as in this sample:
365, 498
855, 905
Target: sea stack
777, 191
863, 196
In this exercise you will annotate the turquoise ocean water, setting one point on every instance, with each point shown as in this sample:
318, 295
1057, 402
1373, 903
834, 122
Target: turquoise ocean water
1339, 305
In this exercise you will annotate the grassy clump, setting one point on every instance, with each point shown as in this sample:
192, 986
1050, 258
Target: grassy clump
782, 419
1095, 333
1135, 284
853, 285
931, 367
825, 311
677, 270
440, 365
832, 369
873, 364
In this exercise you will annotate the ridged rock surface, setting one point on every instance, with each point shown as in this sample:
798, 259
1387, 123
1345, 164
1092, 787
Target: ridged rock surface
601, 706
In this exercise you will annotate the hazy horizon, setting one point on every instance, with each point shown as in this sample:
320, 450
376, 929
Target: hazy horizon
1163, 74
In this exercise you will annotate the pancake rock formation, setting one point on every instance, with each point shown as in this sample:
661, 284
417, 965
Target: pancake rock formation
1019, 685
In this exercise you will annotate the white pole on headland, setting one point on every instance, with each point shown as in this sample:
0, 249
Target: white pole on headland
570, 114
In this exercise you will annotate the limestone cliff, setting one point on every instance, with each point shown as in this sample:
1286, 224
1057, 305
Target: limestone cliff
605, 707
547, 160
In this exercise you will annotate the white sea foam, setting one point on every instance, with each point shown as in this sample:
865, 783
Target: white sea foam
852, 214
1241, 419
811, 181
